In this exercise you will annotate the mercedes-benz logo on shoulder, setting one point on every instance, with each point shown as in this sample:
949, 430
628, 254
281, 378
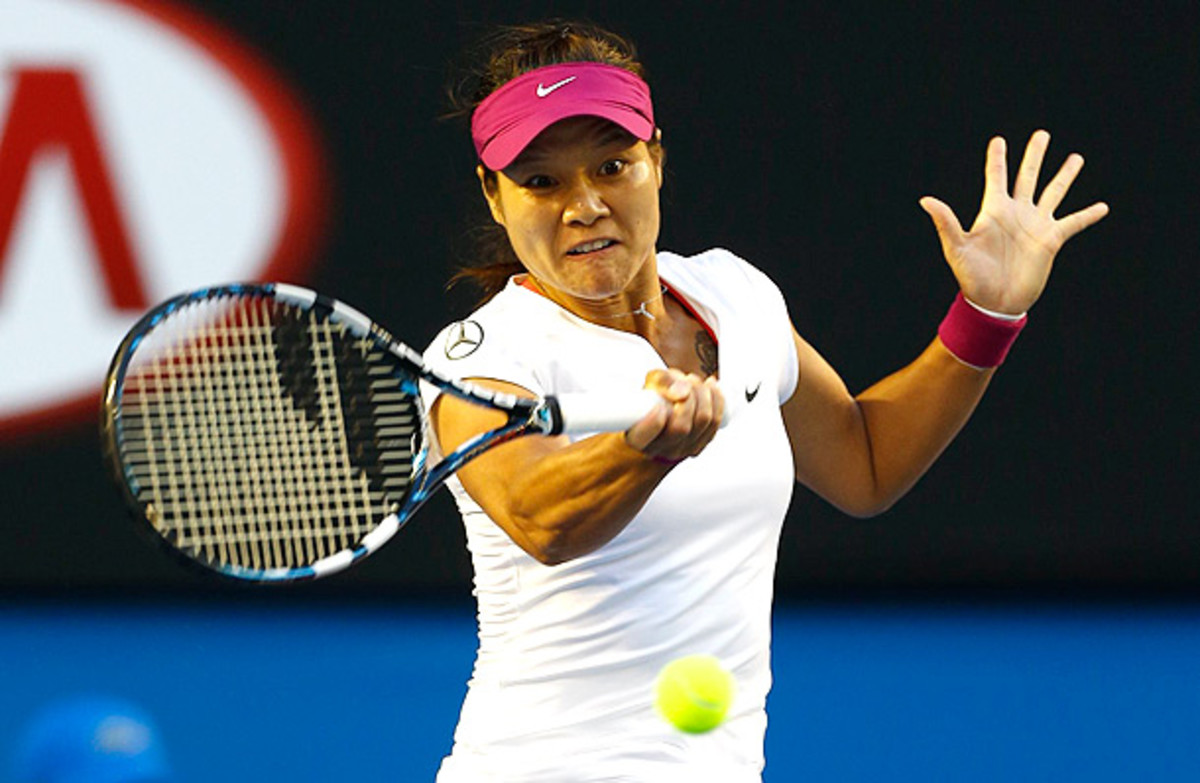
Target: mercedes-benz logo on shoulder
463, 338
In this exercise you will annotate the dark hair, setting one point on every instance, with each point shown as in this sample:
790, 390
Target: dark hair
506, 54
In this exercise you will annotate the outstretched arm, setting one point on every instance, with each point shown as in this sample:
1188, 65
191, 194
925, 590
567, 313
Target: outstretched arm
862, 453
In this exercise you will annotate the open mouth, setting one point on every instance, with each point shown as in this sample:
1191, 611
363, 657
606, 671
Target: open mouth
591, 247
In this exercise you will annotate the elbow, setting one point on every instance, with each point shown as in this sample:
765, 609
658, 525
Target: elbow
554, 536
857, 490
864, 503
866, 510
555, 552
550, 545
548, 552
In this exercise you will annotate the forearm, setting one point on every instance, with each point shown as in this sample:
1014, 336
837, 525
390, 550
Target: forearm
909, 418
862, 453
558, 500
571, 501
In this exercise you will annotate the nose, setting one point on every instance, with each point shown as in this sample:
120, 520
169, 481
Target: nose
585, 204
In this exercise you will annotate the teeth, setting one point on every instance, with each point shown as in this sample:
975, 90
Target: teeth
599, 244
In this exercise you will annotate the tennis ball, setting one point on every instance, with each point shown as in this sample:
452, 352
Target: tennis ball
694, 692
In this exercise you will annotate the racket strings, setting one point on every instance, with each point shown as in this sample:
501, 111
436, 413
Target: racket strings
263, 436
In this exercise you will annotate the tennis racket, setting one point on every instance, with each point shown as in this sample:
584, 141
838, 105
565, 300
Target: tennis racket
272, 434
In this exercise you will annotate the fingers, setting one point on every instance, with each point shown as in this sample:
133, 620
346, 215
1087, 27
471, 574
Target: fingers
1056, 191
1024, 188
686, 424
718, 408
705, 419
1077, 221
1031, 165
648, 428
995, 170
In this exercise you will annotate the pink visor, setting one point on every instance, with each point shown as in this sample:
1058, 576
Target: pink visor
511, 117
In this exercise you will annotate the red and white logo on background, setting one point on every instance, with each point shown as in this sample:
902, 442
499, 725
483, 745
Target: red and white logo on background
143, 152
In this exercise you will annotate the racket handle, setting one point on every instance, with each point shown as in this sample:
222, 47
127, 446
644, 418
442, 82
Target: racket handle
583, 412
591, 412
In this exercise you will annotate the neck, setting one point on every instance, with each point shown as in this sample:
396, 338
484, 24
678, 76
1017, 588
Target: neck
640, 311
633, 310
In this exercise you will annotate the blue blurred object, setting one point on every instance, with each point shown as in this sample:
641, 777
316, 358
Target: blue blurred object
91, 740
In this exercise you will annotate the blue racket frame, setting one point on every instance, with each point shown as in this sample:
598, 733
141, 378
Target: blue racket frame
525, 416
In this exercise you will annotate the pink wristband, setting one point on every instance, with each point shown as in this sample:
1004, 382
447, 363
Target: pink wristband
976, 338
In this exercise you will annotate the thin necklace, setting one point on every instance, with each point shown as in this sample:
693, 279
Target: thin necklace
641, 309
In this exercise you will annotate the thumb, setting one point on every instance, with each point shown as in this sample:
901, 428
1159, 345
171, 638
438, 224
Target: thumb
949, 230
648, 428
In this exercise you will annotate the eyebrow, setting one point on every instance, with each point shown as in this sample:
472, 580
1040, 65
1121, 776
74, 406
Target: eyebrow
615, 134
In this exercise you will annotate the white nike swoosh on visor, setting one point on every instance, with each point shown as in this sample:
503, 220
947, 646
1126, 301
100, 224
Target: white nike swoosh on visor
542, 92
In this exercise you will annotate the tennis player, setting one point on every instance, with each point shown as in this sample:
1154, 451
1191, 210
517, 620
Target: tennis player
598, 560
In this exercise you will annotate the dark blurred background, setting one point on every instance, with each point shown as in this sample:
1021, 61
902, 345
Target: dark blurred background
800, 136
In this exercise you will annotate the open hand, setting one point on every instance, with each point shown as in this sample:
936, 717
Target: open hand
1004, 261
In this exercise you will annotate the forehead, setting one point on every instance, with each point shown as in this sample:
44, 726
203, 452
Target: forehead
575, 134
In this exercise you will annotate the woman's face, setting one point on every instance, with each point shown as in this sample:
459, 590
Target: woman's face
580, 206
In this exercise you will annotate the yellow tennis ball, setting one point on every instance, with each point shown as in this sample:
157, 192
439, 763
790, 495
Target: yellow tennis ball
694, 693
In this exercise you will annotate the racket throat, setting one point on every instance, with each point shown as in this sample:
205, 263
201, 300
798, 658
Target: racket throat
547, 416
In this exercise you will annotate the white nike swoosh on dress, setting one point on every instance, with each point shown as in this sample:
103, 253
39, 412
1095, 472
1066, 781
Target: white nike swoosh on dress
542, 92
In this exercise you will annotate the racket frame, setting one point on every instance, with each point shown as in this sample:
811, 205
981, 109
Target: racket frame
524, 416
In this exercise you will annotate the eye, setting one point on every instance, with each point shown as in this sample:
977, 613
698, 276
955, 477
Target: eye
537, 182
612, 167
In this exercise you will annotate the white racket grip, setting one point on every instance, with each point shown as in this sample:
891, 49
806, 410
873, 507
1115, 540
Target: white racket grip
591, 412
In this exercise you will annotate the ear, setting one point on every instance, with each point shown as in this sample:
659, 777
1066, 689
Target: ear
491, 192
658, 159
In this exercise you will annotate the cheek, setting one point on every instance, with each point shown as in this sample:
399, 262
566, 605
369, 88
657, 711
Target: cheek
643, 175
535, 228
645, 198
530, 233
